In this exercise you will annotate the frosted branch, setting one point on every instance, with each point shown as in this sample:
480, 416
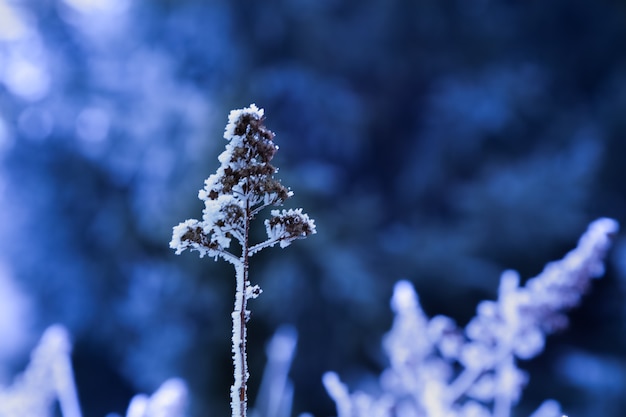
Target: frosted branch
170, 400
47, 378
242, 186
446, 372
276, 391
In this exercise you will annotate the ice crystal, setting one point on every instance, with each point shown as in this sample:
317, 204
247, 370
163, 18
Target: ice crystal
439, 370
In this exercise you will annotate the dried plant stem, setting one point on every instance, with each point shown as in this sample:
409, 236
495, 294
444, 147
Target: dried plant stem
239, 390
242, 186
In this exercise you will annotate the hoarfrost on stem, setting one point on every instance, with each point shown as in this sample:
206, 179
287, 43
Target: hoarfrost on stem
242, 186
437, 369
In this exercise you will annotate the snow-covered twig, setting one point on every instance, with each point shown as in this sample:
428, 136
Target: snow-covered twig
170, 400
439, 370
48, 378
242, 186
276, 391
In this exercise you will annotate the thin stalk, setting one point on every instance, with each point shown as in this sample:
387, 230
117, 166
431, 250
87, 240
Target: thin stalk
239, 390
66, 386
245, 178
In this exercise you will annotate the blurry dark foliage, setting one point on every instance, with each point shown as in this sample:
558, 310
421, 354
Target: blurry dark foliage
439, 141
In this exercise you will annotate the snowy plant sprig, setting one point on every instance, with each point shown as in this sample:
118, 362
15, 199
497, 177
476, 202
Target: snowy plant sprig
439, 370
48, 378
242, 186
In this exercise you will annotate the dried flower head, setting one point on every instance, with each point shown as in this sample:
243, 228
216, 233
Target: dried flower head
243, 185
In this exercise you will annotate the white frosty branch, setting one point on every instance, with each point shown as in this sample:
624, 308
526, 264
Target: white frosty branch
48, 378
170, 400
425, 354
242, 186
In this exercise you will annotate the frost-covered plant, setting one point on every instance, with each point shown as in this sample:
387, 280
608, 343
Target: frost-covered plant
47, 379
170, 400
439, 370
243, 185
275, 395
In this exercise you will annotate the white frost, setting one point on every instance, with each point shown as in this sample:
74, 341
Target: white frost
235, 115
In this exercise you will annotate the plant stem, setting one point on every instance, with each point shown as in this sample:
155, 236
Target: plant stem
239, 390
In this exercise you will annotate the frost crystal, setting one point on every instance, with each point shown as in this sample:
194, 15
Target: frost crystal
437, 369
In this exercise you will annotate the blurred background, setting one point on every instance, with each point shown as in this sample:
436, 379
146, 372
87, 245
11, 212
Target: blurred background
440, 141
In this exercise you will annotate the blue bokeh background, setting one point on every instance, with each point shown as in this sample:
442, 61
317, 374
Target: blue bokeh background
440, 141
